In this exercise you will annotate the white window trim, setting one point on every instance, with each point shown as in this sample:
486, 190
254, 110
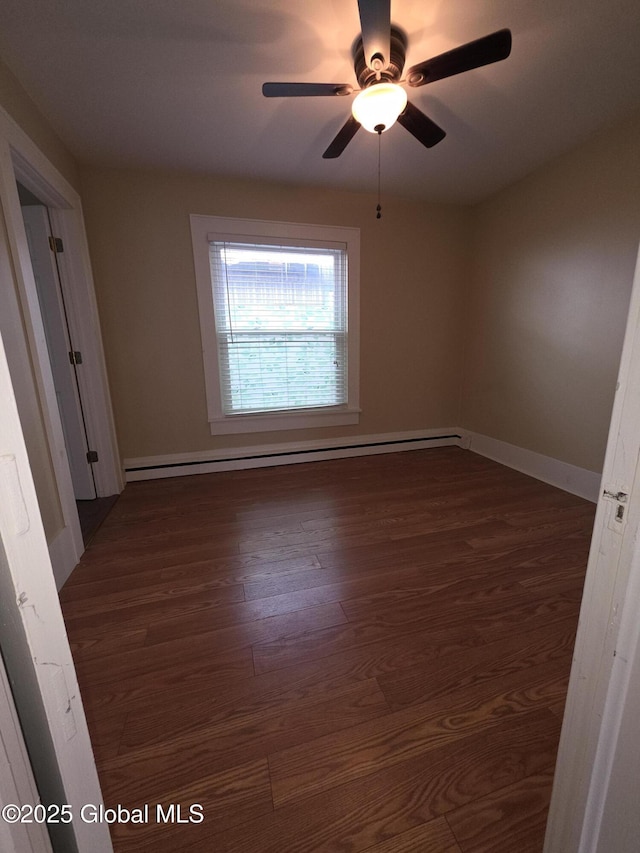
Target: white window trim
207, 228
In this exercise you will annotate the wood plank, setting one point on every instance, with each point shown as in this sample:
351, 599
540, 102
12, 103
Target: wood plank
479, 664
197, 664
141, 774
432, 837
558, 709
538, 612
96, 644
402, 735
153, 599
345, 638
156, 677
93, 578
535, 533
415, 550
229, 572
309, 681
97, 565
227, 798
399, 797
459, 600
260, 630
513, 818
106, 727
248, 613
79, 586
530, 565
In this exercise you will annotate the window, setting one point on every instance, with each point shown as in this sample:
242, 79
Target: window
279, 322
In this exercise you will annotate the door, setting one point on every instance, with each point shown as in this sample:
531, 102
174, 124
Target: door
37, 657
594, 759
60, 347
17, 785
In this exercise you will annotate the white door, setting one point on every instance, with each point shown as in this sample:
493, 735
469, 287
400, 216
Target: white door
59, 345
36, 652
599, 752
616, 823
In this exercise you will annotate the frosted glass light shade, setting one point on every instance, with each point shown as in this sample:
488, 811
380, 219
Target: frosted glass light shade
379, 105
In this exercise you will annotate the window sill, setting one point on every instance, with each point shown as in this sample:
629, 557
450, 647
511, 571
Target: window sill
236, 424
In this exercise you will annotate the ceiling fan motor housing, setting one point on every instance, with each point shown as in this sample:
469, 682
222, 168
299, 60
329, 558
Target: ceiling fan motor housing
392, 73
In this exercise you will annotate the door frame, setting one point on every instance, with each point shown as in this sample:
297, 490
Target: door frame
21, 160
17, 784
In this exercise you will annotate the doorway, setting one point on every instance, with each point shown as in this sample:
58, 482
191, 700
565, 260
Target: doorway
21, 322
65, 358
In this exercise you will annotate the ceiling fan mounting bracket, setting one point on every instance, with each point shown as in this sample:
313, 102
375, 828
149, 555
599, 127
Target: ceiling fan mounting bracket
392, 73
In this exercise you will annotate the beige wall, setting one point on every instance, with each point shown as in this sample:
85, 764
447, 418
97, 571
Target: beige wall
413, 265
25, 113
547, 301
533, 285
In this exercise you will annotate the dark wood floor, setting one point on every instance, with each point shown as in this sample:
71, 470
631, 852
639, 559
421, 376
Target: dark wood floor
362, 654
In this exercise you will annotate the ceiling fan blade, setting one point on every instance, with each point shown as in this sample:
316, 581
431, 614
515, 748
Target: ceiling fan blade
474, 54
421, 126
375, 24
344, 137
304, 90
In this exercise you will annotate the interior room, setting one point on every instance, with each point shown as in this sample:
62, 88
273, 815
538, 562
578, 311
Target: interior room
393, 618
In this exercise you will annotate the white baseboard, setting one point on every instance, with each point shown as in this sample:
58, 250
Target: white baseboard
263, 456
578, 481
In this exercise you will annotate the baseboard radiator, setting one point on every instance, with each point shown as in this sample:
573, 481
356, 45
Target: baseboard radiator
271, 455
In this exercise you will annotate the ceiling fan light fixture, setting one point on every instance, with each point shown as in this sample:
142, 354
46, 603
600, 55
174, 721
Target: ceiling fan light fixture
378, 106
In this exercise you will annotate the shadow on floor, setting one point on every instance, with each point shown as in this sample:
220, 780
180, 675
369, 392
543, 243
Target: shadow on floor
92, 514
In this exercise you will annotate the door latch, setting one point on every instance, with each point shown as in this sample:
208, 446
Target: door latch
620, 498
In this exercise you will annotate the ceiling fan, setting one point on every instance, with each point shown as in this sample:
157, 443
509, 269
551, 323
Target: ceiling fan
379, 55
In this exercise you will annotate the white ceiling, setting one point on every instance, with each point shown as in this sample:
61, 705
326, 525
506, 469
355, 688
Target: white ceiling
177, 83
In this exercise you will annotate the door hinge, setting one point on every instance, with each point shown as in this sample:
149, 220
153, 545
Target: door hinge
92, 456
55, 244
75, 357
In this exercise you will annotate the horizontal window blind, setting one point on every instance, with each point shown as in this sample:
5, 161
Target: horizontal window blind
281, 325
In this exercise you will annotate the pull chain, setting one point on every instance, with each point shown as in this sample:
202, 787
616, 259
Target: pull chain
379, 128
